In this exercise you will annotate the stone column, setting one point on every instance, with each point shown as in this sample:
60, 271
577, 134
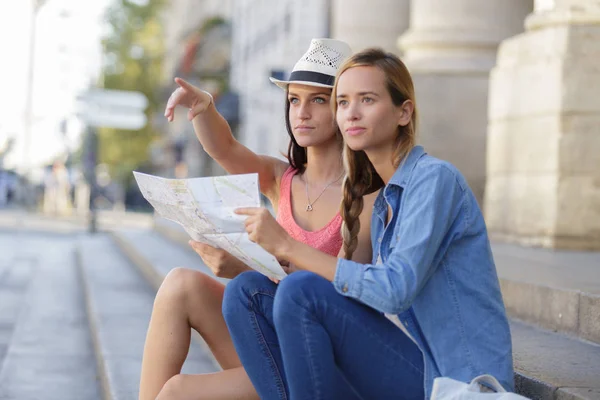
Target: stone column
374, 23
450, 49
544, 138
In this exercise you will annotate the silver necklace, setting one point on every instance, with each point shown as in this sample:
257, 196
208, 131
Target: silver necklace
309, 207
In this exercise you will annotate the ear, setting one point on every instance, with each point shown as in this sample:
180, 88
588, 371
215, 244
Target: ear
405, 112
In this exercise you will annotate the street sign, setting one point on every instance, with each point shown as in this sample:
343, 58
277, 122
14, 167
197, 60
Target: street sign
115, 98
109, 108
100, 118
105, 108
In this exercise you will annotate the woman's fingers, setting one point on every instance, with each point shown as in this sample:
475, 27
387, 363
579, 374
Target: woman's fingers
185, 84
174, 100
248, 210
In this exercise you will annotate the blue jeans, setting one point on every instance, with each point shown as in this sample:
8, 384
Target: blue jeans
303, 340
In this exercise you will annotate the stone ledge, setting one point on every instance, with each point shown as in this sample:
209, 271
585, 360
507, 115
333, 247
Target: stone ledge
553, 366
567, 311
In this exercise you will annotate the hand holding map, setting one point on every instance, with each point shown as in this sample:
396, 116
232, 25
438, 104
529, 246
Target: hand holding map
205, 208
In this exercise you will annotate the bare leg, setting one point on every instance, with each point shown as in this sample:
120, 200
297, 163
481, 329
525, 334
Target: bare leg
188, 299
229, 384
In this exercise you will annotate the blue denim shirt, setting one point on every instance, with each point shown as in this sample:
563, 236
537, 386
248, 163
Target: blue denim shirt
437, 272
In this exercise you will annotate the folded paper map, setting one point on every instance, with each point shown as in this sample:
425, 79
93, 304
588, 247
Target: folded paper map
204, 207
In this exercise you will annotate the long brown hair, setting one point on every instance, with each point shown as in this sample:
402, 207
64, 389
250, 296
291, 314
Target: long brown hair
361, 177
296, 154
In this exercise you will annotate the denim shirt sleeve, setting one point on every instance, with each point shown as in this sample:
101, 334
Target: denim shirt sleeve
431, 204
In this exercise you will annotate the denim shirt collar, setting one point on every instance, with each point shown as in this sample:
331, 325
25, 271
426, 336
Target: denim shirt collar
402, 174
400, 177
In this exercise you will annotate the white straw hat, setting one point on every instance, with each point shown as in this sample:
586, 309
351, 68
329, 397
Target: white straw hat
318, 65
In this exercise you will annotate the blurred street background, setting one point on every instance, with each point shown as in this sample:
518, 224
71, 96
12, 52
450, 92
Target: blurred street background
507, 90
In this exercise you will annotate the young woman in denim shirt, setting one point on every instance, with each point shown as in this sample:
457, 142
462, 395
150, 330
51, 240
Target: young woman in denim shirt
428, 304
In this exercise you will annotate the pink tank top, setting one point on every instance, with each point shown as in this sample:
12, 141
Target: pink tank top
327, 239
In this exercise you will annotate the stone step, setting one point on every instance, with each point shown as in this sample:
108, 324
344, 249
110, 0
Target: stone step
16, 272
119, 304
551, 365
548, 365
32, 222
171, 230
50, 354
556, 290
156, 256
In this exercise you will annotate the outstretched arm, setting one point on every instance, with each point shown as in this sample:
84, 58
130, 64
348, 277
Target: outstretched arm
214, 133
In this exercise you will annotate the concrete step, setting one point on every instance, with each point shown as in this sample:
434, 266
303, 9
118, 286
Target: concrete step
171, 230
15, 276
50, 353
119, 304
548, 365
156, 256
556, 290
25, 221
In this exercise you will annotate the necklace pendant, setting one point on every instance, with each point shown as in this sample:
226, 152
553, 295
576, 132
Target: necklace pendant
309, 207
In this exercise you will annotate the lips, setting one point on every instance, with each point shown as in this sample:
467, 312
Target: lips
354, 130
303, 128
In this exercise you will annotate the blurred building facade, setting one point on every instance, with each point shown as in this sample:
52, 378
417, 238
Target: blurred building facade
543, 152
268, 38
518, 122
198, 40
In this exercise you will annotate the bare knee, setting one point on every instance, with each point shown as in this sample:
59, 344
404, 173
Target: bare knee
186, 286
173, 389
182, 285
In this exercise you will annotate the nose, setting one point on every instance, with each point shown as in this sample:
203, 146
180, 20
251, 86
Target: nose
352, 112
304, 110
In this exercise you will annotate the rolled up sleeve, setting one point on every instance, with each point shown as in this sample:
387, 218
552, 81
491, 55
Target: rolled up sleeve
348, 278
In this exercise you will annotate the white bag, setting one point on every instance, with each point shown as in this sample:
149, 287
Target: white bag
450, 389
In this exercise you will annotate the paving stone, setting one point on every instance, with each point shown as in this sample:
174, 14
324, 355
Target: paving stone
577, 394
49, 355
554, 359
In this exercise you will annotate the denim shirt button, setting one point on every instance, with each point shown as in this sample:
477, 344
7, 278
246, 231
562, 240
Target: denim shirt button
345, 288
380, 239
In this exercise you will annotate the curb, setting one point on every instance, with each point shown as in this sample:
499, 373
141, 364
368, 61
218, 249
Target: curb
101, 370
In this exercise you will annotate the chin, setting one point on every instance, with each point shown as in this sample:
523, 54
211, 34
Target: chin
355, 144
305, 142
310, 141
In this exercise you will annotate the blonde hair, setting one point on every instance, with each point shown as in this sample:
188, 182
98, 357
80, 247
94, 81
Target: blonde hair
361, 177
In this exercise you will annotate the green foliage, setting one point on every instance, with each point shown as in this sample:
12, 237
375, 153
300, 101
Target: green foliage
133, 54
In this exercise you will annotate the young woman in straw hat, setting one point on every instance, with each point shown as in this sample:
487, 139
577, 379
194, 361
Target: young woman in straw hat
305, 191
428, 304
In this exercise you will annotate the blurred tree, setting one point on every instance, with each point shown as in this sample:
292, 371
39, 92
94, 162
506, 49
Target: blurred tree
133, 57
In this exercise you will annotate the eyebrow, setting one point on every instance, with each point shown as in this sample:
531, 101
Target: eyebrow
339, 96
312, 94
